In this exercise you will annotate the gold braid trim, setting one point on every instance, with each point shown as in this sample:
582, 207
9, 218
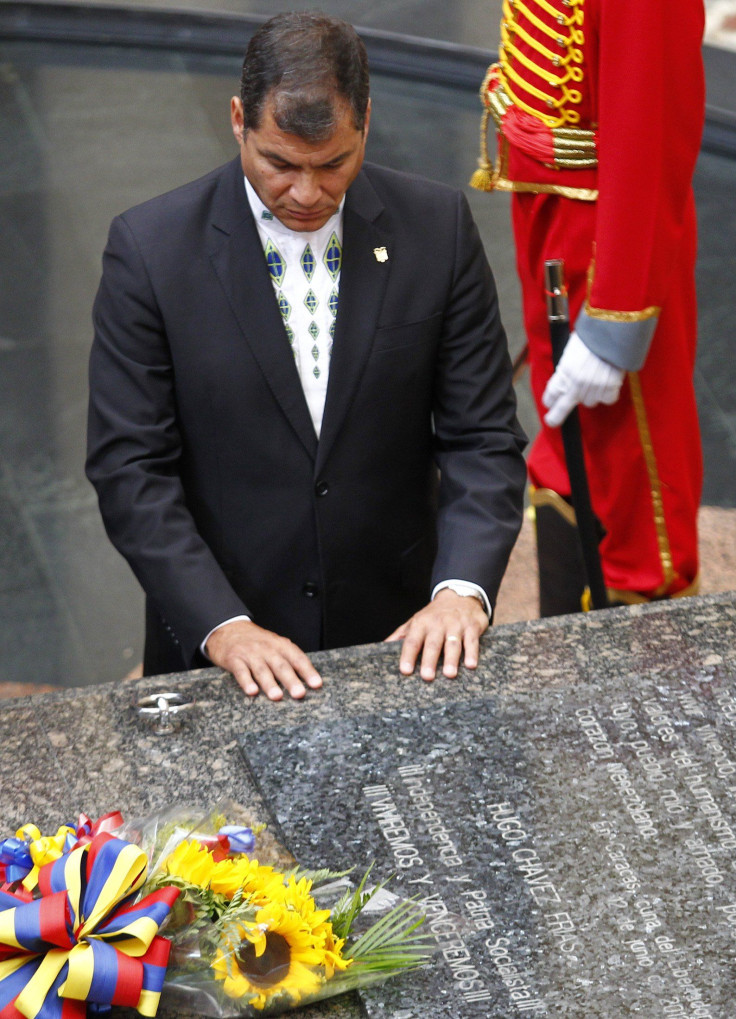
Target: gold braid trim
565, 116
554, 58
606, 315
576, 16
562, 97
622, 316
634, 598
510, 8
522, 187
555, 80
573, 147
502, 182
497, 101
655, 486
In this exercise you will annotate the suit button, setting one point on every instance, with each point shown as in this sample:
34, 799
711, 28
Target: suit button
321, 488
310, 590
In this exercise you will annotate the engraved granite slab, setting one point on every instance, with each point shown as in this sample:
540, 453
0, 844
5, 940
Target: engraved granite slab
566, 810
573, 843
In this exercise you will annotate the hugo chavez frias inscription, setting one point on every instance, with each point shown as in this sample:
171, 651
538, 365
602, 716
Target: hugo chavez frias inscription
574, 850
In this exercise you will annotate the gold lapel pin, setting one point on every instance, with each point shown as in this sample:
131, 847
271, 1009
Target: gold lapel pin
381, 254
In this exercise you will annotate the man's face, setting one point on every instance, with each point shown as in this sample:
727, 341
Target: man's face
302, 183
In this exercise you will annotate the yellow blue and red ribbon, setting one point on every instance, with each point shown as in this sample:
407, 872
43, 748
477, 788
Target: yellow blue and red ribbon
22, 855
86, 828
238, 838
86, 939
15, 858
230, 840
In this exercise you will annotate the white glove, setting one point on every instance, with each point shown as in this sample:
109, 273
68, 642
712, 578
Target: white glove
580, 377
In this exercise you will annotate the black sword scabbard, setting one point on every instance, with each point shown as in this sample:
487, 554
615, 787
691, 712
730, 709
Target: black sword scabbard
559, 329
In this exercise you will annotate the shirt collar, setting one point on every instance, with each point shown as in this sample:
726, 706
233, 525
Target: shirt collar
266, 219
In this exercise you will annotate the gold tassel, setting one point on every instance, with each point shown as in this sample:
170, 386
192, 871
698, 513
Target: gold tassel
483, 178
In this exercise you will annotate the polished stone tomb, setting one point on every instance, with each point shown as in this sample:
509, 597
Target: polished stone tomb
565, 814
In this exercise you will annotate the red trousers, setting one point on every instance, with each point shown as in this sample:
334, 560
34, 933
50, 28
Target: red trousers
643, 453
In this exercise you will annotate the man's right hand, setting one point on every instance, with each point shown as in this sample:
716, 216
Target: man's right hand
580, 377
261, 660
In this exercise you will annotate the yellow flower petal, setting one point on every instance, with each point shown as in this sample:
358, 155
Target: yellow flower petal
191, 862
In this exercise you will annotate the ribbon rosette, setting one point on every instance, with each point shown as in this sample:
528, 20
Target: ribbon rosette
230, 840
85, 939
86, 829
21, 857
15, 856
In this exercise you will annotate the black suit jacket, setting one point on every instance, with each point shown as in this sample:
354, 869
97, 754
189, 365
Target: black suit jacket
210, 477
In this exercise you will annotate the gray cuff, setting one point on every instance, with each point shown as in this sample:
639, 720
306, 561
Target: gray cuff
623, 344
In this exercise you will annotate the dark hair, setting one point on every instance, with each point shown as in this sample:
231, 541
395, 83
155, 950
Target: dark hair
305, 62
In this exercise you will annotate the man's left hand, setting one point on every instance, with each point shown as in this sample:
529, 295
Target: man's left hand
450, 625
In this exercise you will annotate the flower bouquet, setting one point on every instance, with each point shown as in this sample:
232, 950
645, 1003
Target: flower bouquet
227, 923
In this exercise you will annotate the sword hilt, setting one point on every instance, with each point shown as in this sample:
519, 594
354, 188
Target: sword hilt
556, 290
558, 315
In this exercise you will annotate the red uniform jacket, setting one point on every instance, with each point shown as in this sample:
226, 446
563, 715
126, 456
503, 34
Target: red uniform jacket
603, 100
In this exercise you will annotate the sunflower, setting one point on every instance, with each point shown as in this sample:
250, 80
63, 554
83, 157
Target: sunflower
332, 948
286, 952
275, 956
194, 864
257, 882
298, 896
191, 862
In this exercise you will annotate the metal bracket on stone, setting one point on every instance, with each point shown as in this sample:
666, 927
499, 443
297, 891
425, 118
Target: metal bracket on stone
161, 710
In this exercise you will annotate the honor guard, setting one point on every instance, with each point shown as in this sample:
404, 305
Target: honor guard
598, 109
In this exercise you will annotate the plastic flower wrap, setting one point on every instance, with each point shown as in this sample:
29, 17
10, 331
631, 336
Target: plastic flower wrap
253, 934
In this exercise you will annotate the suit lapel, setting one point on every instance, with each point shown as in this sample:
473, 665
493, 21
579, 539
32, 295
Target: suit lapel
363, 281
237, 257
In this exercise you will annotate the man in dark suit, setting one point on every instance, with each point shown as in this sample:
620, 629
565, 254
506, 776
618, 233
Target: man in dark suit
285, 353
